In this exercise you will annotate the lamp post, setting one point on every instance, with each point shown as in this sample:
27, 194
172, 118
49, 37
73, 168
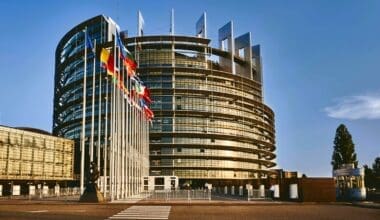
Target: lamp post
11, 189
29, 188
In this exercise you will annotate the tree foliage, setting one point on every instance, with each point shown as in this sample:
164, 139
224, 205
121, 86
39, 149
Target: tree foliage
376, 166
344, 148
369, 177
372, 176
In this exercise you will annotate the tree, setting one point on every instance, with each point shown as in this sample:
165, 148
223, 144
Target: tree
344, 148
369, 178
376, 167
376, 172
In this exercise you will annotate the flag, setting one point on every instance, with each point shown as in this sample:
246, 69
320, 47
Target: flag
139, 88
138, 85
104, 56
88, 42
148, 113
140, 31
132, 95
172, 23
146, 95
107, 60
111, 65
142, 103
126, 56
123, 49
131, 65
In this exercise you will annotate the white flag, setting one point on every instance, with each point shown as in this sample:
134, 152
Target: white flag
140, 31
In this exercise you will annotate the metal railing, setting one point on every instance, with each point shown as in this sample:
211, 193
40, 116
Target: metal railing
69, 193
187, 195
256, 194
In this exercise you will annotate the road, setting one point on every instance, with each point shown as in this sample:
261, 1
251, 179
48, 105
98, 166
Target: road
60, 211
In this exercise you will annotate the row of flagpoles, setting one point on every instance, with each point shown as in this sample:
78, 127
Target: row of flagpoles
126, 143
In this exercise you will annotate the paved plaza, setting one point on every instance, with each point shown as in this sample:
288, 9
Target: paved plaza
59, 210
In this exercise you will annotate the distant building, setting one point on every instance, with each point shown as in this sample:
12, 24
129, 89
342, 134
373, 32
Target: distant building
160, 183
349, 182
283, 174
33, 157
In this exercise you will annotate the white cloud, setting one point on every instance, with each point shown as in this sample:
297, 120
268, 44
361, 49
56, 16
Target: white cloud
356, 107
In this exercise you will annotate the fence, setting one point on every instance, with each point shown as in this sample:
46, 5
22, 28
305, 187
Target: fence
256, 194
177, 195
69, 193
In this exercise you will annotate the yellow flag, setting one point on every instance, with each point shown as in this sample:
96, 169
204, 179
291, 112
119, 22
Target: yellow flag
104, 55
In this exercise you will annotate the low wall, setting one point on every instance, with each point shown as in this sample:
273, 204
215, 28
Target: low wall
309, 189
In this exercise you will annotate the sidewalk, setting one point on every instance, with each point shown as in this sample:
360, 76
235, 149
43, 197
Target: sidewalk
180, 202
365, 204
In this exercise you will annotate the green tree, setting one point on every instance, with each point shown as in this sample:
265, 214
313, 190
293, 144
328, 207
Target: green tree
369, 177
344, 148
376, 167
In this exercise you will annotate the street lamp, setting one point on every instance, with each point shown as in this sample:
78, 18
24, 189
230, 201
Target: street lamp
29, 189
11, 189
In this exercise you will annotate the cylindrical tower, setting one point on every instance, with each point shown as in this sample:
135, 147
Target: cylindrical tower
211, 124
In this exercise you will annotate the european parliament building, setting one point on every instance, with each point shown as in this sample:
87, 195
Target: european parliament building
211, 124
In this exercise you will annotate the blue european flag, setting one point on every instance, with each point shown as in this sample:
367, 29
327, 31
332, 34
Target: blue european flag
88, 42
123, 49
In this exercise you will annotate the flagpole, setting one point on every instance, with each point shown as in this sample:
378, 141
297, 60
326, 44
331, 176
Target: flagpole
116, 123
127, 141
99, 121
123, 130
140, 151
130, 137
136, 145
93, 108
83, 143
135, 132
118, 130
106, 141
112, 161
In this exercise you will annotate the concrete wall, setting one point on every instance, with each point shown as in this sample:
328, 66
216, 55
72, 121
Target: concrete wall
309, 189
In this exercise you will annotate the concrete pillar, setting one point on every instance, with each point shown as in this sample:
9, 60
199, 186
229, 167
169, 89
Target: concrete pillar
233, 190
225, 190
293, 191
249, 189
240, 190
45, 190
261, 191
276, 189
56, 190
32, 190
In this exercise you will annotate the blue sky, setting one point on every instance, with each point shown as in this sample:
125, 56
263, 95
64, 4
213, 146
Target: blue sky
321, 63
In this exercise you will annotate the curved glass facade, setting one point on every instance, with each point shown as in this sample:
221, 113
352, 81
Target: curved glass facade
116, 133
210, 124
68, 92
